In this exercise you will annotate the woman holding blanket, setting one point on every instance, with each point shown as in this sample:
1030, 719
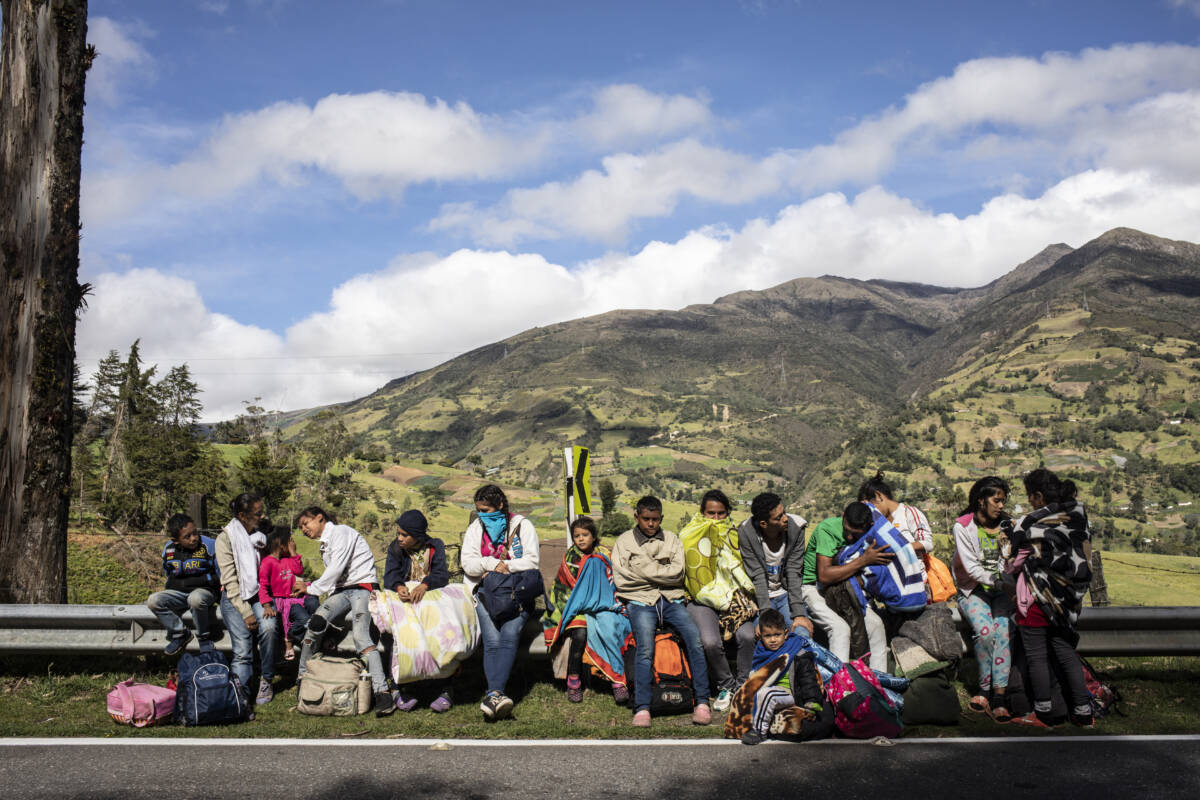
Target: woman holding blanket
722, 595
244, 616
585, 623
498, 541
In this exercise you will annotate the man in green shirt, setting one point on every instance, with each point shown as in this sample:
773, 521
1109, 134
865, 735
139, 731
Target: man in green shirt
820, 571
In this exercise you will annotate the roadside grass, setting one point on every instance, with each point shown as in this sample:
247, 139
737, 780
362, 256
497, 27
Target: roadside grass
66, 697
1146, 579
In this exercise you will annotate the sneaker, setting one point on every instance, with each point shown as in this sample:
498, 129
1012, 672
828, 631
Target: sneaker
721, 704
178, 643
441, 703
574, 689
206, 646
642, 719
265, 693
752, 737
496, 706
701, 714
384, 704
620, 694
404, 703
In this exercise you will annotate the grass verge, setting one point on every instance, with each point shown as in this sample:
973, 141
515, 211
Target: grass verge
66, 697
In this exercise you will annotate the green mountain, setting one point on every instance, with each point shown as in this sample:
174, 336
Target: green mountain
805, 386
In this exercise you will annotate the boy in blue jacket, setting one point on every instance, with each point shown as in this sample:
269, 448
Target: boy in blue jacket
190, 564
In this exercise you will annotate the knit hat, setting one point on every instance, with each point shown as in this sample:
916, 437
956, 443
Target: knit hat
414, 524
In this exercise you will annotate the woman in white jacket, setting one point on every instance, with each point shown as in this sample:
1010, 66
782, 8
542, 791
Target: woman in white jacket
503, 542
348, 580
982, 597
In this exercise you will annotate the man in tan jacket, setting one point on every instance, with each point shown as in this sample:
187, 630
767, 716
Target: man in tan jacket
648, 573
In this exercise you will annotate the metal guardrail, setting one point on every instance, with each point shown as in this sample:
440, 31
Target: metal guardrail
82, 629
1112, 631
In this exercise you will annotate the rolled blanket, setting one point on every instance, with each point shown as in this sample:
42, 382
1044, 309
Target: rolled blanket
430, 638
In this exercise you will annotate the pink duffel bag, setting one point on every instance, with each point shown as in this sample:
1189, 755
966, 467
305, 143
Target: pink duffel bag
140, 704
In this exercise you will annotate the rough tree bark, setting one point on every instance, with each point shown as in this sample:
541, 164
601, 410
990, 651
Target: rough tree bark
44, 59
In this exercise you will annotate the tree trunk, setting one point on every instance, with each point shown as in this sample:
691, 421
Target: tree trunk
44, 59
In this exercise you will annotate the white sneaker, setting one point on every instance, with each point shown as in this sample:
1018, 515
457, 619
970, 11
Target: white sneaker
722, 701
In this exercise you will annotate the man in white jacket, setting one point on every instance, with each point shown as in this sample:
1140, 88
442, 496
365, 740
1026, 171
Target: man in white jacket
348, 579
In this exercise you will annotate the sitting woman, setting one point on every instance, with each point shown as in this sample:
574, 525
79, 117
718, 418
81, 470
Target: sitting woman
498, 541
417, 565
585, 623
721, 594
983, 597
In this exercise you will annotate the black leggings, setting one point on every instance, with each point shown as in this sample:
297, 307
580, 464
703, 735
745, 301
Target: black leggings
1047, 649
576, 642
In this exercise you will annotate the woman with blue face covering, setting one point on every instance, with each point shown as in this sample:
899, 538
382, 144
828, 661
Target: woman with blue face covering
497, 541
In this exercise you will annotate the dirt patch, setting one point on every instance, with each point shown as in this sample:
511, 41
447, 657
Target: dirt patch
404, 476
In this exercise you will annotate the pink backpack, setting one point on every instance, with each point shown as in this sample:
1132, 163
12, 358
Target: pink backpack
140, 704
863, 710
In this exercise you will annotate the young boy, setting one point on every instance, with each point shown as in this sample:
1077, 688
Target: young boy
795, 678
189, 561
647, 564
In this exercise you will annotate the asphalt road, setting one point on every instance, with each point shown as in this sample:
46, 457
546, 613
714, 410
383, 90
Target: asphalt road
1090, 768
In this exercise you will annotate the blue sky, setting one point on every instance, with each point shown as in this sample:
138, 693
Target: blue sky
276, 190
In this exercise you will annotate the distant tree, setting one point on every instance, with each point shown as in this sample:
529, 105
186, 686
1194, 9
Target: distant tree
615, 524
608, 497
273, 478
432, 498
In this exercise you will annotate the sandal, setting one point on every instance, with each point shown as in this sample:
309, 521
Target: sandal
979, 704
289, 655
999, 711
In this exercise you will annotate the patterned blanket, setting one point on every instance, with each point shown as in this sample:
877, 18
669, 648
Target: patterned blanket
431, 638
584, 595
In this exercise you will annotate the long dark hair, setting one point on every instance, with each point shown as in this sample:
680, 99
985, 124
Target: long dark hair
1052, 488
244, 503
982, 489
874, 486
493, 495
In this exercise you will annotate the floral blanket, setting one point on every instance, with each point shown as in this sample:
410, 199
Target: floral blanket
431, 638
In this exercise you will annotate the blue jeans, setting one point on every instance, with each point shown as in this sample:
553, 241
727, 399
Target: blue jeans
644, 620
242, 640
353, 603
169, 605
499, 646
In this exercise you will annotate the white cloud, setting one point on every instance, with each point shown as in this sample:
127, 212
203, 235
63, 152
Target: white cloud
627, 111
601, 204
120, 55
1129, 107
1187, 5
422, 306
376, 144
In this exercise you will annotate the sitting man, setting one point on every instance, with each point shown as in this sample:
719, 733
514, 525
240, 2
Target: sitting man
647, 565
820, 572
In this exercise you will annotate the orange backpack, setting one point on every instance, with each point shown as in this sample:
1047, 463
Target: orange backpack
939, 583
670, 676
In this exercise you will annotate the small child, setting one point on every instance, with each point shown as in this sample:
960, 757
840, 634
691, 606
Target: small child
277, 592
416, 557
795, 684
190, 564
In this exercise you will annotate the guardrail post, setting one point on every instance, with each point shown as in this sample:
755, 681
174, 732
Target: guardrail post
1098, 589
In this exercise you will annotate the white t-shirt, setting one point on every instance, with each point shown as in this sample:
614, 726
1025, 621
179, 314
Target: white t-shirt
774, 559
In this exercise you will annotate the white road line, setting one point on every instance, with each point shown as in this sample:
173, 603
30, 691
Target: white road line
459, 743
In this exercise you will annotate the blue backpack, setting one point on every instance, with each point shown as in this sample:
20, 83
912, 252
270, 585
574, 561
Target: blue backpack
207, 692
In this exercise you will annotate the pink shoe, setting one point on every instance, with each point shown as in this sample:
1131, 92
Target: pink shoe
701, 715
642, 719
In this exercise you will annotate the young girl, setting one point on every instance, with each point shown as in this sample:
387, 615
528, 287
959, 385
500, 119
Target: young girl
416, 557
1052, 551
277, 588
982, 596
589, 620
504, 542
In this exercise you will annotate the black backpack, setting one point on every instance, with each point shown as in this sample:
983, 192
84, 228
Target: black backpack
207, 692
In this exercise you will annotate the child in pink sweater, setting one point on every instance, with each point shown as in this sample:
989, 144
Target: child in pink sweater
277, 590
